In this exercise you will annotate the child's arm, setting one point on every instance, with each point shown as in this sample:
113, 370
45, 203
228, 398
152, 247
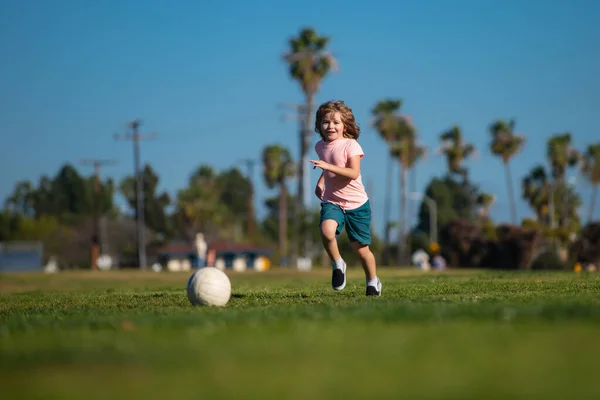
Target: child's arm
352, 169
319, 189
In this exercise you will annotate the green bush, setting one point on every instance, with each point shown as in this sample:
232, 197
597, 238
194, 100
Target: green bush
548, 260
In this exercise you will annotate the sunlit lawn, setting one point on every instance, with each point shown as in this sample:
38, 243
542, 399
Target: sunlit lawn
286, 335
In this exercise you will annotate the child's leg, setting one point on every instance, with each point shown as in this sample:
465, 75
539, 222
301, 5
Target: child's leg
358, 226
338, 274
332, 222
328, 230
367, 260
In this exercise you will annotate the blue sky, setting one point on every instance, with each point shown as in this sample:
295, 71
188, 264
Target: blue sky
208, 80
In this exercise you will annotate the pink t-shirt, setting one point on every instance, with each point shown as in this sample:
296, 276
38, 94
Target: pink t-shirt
345, 192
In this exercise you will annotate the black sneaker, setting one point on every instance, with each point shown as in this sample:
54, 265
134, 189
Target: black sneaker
374, 291
338, 278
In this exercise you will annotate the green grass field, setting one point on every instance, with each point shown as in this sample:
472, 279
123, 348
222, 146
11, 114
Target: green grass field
287, 335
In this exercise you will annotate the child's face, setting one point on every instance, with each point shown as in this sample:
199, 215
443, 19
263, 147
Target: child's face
332, 127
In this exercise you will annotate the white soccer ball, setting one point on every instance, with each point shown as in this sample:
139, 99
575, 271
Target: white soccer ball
209, 286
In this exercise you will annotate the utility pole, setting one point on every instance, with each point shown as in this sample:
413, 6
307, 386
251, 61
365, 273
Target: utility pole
95, 250
303, 197
250, 163
299, 112
135, 137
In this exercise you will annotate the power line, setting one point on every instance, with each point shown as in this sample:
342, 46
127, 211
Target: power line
135, 137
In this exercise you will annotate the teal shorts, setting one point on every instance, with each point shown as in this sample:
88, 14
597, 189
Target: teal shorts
357, 221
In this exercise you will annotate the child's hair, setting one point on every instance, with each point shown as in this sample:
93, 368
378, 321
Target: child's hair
351, 128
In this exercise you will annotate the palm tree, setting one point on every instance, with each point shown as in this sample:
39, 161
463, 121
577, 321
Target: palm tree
456, 151
506, 144
484, 201
416, 153
540, 191
277, 167
405, 150
536, 190
591, 170
561, 155
309, 62
385, 121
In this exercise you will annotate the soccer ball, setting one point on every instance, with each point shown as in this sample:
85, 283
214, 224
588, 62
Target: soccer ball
209, 286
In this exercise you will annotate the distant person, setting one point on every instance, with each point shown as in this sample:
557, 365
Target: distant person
421, 259
439, 262
211, 257
201, 250
344, 200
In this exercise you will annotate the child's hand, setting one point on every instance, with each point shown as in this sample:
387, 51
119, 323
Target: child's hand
319, 192
321, 164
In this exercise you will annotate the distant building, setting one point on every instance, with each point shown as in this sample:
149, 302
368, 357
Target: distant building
221, 254
21, 256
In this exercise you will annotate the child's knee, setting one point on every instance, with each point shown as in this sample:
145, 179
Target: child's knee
328, 229
362, 250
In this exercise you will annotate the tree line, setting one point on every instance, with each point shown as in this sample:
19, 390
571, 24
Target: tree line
309, 62
219, 203
59, 210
